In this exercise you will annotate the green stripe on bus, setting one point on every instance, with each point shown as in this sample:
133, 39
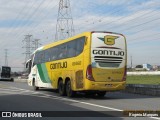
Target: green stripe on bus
41, 73
46, 76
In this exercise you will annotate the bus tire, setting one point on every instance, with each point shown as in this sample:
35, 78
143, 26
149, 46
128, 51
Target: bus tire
61, 88
101, 93
34, 86
69, 91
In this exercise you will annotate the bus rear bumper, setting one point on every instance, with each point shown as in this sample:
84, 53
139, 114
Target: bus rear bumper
105, 86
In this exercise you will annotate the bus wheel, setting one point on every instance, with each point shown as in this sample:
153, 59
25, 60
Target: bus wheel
69, 91
61, 88
34, 86
101, 93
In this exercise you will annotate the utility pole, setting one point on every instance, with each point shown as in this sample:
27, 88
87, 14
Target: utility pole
27, 46
36, 44
64, 27
6, 57
131, 62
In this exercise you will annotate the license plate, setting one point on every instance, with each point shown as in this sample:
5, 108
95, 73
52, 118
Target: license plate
108, 85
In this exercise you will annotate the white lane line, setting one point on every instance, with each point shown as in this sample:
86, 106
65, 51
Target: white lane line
76, 101
9, 90
33, 93
71, 100
156, 118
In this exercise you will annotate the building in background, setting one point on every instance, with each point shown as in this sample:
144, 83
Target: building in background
144, 67
148, 67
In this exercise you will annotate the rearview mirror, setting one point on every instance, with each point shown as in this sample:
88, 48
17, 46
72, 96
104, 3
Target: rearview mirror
28, 63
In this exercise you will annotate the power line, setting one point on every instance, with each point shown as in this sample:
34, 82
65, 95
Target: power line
64, 27
145, 28
136, 17
123, 17
31, 15
37, 22
18, 15
153, 39
20, 23
101, 19
35, 27
140, 24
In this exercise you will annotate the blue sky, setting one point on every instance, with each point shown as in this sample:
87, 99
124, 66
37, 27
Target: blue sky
138, 20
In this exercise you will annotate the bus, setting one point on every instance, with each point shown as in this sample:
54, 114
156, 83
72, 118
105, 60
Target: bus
5, 73
91, 62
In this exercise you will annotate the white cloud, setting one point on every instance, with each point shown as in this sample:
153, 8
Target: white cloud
87, 15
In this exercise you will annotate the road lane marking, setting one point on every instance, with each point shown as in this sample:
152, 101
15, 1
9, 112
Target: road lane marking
76, 101
37, 94
72, 100
156, 118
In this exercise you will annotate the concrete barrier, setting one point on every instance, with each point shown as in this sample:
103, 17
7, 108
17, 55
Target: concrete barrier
20, 80
144, 73
153, 90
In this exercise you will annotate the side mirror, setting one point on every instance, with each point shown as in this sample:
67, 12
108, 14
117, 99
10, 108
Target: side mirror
28, 63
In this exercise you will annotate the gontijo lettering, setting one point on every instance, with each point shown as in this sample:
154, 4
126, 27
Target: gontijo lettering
109, 52
58, 65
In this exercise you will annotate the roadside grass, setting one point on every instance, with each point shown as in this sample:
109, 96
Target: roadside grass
143, 79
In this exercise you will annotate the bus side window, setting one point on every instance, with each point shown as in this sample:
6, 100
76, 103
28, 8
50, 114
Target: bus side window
47, 55
71, 49
42, 57
63, 51
54, 53
38, 58
80, 45
35, 59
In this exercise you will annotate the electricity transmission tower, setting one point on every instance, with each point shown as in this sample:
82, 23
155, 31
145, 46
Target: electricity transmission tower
64, 27
27, 45
6, 57
36, 44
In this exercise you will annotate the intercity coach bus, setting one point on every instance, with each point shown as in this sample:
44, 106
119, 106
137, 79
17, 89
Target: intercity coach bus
91, 62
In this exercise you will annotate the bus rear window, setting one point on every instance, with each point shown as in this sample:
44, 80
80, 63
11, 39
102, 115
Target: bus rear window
109, 64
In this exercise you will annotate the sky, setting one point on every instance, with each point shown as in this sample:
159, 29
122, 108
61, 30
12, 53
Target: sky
138, 20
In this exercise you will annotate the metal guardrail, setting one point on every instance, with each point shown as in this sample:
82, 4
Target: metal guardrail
153, 90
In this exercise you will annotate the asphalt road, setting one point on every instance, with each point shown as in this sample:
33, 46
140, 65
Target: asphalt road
18, 96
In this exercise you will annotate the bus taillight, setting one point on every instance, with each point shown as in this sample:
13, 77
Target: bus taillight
89, 74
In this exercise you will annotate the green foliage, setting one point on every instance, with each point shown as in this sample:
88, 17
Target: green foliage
143, 79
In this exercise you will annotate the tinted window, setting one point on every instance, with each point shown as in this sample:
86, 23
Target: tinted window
54, 53
62, 49
47, 55
40, 57
80, 45
66, 50
37, 59
71, 49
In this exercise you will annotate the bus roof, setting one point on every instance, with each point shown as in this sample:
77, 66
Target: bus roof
65, 40
71, 38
